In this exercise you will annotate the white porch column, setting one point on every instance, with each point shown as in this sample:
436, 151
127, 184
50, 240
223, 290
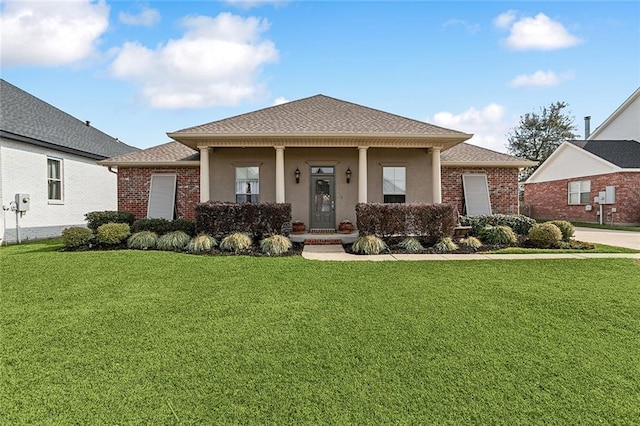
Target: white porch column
204, 174
362, 174
279, 174
436, 179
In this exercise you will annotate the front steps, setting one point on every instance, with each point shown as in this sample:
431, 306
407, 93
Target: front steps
323, 237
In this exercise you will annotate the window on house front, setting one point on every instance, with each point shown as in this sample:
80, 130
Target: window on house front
394, 184
247, 184
162, 197
54, 179
579, 192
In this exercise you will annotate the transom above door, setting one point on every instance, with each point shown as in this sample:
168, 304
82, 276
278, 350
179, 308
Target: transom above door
322, 196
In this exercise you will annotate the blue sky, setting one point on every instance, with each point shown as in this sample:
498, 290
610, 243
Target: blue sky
138, 70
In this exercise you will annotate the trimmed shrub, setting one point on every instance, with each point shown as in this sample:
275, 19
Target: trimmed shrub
95, 219
498, 235
236, 242
471, 242
368, 244
565, 227
545, 235
143, 240
76, 236
445, 245
173, 241
112, 233
259, 220
275, 245
164, 226
520, 224
411, 244
202, 243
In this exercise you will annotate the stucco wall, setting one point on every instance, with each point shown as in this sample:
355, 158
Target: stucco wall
549, 200
23, 169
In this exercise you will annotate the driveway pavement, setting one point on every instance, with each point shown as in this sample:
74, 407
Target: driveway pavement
627, 239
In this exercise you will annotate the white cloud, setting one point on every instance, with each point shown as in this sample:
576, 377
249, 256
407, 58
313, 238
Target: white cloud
50, 33
280, 100
471, 28
216, 62
248, 4
488, 125
541, 79
537, 33
147, 17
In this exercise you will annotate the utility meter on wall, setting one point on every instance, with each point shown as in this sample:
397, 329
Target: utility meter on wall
22, 202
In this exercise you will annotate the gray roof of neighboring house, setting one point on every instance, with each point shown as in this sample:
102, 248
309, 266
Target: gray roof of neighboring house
622, 153
25, 118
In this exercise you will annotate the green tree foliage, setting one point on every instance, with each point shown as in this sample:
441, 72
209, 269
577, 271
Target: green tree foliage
537, 135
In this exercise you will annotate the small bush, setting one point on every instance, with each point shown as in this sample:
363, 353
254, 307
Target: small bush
112, 233
471, 242
445, 245
545, 235
236, 242
368, 244
173, 241
565, 227
96, 219
76, 236
203, 243
143, 240
497, 235
164, 226
520, 224
411, 244
275, 245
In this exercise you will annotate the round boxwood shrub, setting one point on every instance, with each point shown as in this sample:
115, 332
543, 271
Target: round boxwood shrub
173, 241
112, 233
275, 245
497, 235
143, 240
545, 235
565, 227
236, 242
368, 244
76, 236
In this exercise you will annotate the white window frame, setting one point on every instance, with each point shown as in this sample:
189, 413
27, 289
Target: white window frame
399, 183
578, 189
51, 179
241, 183
161, 203
477, 197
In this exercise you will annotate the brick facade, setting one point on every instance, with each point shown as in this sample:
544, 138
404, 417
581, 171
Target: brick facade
549, 200
503, 187
133, 189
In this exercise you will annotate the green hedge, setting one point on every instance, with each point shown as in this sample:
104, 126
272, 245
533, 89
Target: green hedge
520, 224
164, 226
259, 220
96, 219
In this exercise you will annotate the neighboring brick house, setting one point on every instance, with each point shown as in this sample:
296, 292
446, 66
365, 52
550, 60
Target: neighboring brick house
50, 156
565, 185
320, 154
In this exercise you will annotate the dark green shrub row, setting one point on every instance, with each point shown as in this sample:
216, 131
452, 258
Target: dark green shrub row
164, 226
520, 224
259, 220
431, 221
95, 219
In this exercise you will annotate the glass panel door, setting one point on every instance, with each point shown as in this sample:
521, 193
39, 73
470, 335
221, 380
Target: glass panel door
323, 202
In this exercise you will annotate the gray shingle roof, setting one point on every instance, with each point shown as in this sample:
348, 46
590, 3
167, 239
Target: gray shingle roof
622, 153
467, 153
166, 153
29, 119
318, 114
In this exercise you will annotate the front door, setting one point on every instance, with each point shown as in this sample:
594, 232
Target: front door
323, 205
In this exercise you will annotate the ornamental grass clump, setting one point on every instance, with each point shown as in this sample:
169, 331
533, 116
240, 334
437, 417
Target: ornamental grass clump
236, 242
143, 240
112, 233
565, 227
471, 242
368, 244
76, 236
411, 244
173, 241
545, 235
275, 245
202, 243
445, 245
497, 235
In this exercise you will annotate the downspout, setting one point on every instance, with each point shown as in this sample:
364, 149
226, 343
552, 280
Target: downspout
110, 168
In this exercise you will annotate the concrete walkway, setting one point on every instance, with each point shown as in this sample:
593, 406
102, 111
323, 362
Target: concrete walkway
609, 237
336, 253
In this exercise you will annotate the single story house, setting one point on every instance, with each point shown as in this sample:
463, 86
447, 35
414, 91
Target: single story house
606, 163
320, 154
49, 158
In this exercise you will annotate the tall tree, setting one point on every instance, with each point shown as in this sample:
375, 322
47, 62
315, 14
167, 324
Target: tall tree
537, 135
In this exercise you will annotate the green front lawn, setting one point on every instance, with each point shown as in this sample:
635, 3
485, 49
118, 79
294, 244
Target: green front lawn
128, 337
599, 248
604, 226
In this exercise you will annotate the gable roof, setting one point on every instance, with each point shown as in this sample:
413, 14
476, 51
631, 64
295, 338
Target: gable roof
619, 111
25, 118
168, 154
466, 154
624, 154
317, 119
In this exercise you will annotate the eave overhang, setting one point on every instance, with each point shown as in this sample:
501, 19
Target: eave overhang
146, 164
501, 164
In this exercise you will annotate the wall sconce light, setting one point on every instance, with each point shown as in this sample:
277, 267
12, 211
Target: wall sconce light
348, 175
297, 174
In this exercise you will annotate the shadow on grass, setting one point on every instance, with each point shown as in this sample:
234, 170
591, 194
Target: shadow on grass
38, 246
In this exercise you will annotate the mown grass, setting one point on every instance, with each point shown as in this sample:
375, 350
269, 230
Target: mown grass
599, 248
605, 226
131, 337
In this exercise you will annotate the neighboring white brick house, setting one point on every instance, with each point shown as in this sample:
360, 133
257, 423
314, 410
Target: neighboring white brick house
51, 156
